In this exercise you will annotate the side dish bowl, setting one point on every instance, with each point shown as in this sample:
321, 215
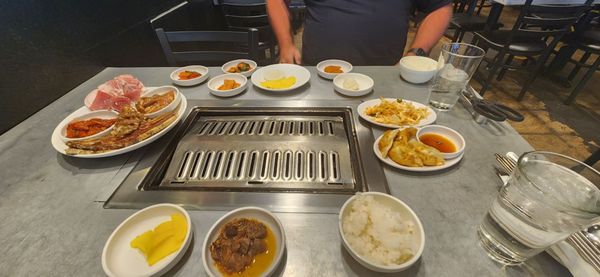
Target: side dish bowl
216, 82
418, 237
233, 63
260, 214
103, 114
161, 90
365, 84
417, 75
120, 259
452, 135
345, 66
191, 82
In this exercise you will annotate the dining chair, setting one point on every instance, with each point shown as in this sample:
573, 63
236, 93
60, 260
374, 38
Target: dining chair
593, 159
465, 20
207, 47
534, 35
241, 16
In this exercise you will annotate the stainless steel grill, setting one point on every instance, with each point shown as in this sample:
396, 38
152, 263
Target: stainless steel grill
286, 156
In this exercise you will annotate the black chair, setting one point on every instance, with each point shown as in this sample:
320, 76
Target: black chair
207, 47
464, 20
241, 16
593, 159
587, 39
535, 34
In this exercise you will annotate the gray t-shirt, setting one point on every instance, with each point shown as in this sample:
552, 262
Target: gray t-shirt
362, 32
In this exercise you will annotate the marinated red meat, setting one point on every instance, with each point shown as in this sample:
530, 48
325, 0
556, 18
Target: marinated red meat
116, 93
238, 243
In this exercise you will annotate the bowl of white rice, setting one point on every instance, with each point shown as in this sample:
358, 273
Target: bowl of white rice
381, 232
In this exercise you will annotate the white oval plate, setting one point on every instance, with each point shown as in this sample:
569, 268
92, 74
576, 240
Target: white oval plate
425, 121
447, 164
119, 259
302, 75
60, 145
260, 214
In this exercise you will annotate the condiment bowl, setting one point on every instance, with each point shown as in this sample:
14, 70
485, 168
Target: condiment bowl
103, 114
345, 66
161, 90
233, 63
365, 84
418, 237
417, 75
452, 135
191, 82
216, 82
260, 214
120, 259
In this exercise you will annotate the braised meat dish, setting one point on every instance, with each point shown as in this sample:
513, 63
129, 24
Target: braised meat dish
238, 243
155, 102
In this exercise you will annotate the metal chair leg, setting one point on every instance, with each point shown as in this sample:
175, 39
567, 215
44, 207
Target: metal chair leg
584, 80
577, 67
496, 63
536, 71
504, 69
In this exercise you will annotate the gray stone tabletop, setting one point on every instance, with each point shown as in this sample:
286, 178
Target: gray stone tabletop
53, 222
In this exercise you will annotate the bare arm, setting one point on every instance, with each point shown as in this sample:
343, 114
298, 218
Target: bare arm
280, 21
432, 28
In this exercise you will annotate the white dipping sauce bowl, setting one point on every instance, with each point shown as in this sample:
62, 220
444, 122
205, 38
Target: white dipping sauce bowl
162, 90
103, 114
365, 84
345, 66
448, 133
216, 82
191, 82
233, 63
417, 75
406, 212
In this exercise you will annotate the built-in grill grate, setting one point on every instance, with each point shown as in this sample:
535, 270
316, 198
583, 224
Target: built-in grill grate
264, 152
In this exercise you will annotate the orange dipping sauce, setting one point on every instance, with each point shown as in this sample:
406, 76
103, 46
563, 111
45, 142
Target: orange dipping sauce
438, 142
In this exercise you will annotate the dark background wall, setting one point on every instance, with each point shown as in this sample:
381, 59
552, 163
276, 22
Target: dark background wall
51, 46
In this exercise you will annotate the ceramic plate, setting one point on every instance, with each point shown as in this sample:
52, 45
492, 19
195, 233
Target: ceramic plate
425, 121
389, 161
60, 145
302, 75
119, 259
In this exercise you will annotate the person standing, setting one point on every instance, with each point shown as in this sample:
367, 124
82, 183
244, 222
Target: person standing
362, 32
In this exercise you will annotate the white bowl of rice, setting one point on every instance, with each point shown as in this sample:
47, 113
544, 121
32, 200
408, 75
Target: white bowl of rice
381, 232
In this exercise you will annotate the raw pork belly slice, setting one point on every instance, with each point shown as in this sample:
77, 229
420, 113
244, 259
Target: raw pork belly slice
116, 93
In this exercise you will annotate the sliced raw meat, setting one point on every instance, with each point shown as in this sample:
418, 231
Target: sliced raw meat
116, 93
103, 101
118, 102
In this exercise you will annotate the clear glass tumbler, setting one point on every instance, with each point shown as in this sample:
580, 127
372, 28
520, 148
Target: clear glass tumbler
547, 198
456, 65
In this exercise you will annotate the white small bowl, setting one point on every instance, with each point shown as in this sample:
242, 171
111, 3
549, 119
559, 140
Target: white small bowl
450, 134
260, 214
416, 75
161, 90
216, 82
365, 84
233, 63
406, 212
103, 114
192, 82
346, 67
119, 259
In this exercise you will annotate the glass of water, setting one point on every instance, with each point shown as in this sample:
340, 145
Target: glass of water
456, 65
547, 198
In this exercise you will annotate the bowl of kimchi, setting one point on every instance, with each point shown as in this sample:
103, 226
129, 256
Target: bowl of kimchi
91, 125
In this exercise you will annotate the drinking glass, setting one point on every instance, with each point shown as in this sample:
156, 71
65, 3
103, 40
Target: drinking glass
548, 197
456, 65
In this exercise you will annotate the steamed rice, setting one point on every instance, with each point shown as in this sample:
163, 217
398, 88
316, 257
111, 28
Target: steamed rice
377, 233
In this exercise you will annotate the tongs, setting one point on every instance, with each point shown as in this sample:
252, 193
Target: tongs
495, 111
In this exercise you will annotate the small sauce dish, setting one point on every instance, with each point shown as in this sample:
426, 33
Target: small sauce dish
417, 69
345, 66
162, 90
364, 83
442, 138
216, 82
225, 68
189, 82
102, 114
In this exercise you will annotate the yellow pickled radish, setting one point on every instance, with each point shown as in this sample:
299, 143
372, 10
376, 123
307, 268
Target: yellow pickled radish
164, 240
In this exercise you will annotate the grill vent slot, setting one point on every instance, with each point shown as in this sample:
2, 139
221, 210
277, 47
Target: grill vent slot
267, 127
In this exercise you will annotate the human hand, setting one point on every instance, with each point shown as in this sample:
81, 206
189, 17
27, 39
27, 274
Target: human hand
290, 54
